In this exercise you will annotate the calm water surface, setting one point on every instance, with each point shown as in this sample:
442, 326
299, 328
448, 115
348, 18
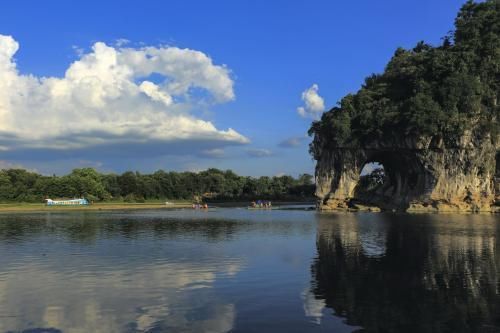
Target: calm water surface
248, 271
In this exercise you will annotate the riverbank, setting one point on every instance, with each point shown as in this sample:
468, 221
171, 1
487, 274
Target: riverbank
40, 207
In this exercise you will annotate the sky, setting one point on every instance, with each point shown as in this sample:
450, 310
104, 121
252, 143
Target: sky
188, 85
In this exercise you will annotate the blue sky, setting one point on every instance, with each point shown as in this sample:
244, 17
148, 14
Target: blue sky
270, 51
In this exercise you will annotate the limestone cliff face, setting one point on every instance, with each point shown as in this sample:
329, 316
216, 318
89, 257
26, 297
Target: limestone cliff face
422, 175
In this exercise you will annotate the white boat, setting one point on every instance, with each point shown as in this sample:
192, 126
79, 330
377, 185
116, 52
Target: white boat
71, 202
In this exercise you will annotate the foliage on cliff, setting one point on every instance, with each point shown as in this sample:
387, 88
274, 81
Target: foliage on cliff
427, 91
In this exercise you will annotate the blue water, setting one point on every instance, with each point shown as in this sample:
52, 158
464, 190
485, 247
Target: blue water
236, 270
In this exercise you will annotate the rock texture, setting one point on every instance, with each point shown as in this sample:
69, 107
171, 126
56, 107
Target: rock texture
422, 175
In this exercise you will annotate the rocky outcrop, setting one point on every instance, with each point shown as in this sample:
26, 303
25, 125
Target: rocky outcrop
421, 175
430, 118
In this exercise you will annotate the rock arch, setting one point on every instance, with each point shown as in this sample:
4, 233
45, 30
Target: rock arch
419, 179
407, 179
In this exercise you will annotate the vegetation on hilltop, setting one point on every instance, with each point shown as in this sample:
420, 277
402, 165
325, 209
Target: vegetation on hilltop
427, 91
18, 185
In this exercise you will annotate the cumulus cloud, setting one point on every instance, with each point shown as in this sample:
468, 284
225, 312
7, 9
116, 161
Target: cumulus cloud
259, 152
292, 142
314, 105
153, 91
113, 96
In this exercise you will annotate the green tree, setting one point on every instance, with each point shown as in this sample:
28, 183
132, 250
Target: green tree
6, 188
86, 182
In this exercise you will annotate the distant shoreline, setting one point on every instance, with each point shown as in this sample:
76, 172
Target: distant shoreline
40, 207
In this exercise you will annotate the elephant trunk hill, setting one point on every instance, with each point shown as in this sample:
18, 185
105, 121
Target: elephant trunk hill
430, 120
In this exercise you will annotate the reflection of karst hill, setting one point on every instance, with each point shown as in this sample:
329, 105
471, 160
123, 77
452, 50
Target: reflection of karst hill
419, 276
473, 258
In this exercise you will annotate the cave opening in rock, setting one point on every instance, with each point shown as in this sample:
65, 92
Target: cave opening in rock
372, 177
371, 182
391, 180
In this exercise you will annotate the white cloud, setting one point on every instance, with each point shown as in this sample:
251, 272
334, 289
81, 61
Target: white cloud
314, 105
121, 41
213, 153
259, 152
109, 96
293, 142
79, 51
153, 91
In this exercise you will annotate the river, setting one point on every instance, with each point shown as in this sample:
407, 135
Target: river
239, 270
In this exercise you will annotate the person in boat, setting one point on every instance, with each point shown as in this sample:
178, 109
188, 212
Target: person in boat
205, 206
253, 204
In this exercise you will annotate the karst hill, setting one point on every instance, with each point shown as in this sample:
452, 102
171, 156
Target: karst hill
431, 120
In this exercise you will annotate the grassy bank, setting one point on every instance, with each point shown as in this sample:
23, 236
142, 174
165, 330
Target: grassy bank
40, 207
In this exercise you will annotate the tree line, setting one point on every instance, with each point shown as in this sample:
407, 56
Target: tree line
19, 185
